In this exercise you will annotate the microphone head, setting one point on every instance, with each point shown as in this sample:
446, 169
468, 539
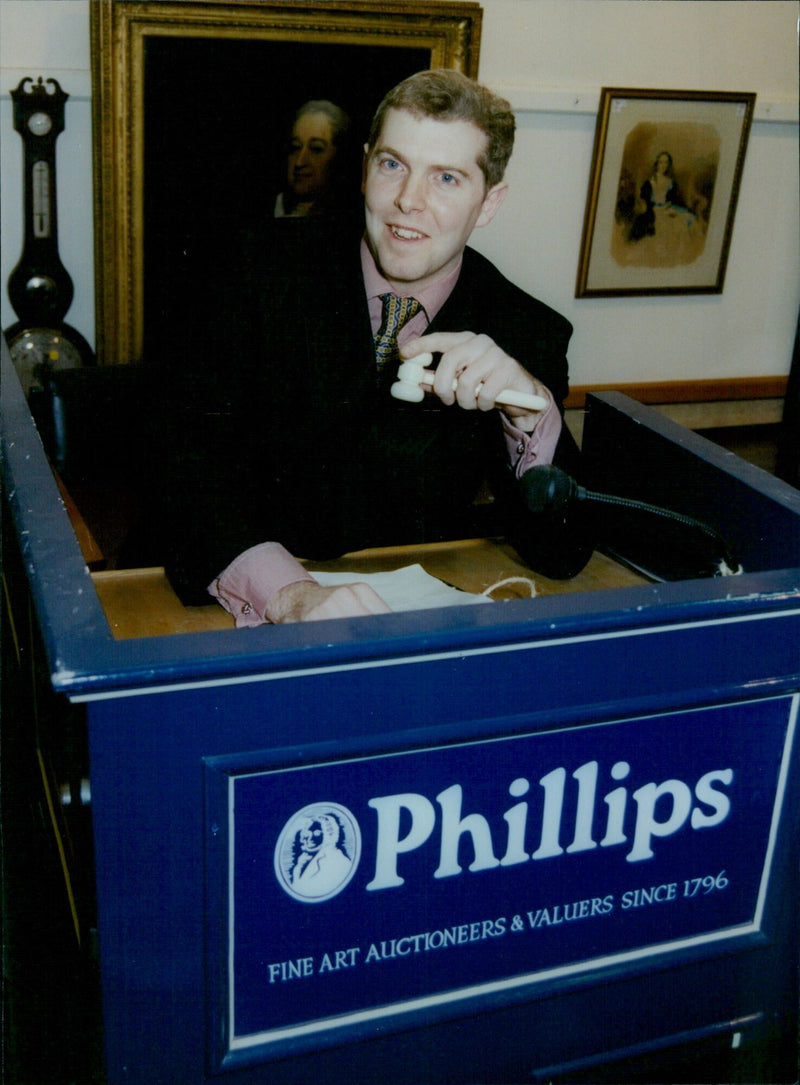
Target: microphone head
547, 488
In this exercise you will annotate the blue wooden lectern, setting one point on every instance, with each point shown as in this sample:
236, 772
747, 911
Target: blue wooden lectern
552, 839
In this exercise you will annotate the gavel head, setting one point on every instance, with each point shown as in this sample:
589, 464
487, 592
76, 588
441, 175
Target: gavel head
410, 377
405, 390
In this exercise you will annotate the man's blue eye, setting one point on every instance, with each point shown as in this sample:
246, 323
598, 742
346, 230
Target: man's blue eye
449, 178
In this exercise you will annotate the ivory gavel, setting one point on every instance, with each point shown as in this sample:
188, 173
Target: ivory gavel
412, 375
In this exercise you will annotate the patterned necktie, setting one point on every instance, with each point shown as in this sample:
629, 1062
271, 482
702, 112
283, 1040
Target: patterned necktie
396, 312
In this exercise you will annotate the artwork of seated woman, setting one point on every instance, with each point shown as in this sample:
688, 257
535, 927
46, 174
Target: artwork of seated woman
662, 215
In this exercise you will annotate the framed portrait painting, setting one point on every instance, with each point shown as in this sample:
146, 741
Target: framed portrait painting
663, 188
193, 104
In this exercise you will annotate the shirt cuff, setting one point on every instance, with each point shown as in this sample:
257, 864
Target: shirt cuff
246, 587
527, 449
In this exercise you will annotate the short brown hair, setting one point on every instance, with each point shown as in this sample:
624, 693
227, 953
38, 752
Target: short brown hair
447, 95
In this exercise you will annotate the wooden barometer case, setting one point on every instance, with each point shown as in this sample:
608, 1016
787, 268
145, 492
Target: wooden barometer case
40, 287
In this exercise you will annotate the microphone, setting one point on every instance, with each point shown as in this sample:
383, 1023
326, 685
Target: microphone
546, 488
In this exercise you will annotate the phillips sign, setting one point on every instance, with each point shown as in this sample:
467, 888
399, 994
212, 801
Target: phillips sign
381, 887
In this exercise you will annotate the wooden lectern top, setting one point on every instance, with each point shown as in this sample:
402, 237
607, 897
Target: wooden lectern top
141, 602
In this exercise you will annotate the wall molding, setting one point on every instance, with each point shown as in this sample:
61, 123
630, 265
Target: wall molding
586, 100
523, 97
697, 405
702, 391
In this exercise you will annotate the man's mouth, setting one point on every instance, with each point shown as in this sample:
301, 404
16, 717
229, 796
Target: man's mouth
404, 233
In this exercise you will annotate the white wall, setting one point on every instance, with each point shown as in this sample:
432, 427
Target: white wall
550, 58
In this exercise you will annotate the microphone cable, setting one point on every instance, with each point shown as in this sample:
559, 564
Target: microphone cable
548, 488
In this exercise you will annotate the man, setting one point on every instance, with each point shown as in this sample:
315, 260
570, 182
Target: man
288, 441
313, 161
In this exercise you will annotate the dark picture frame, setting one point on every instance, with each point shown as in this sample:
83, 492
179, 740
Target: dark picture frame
663, 187
192, 100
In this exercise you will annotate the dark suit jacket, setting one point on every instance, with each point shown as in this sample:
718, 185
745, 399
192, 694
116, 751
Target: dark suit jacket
273, 424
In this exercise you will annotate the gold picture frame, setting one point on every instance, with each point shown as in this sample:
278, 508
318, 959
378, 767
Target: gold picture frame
392, 39
663, 188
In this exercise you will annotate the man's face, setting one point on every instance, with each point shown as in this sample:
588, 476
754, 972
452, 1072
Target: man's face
311, 837
311, 155
424, 193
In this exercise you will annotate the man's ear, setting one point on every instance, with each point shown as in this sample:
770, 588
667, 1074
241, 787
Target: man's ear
491, 203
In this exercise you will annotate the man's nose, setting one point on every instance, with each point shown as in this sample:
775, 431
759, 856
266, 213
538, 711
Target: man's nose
411, 196
302, 158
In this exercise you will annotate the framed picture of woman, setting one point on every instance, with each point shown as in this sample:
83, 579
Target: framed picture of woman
663, 187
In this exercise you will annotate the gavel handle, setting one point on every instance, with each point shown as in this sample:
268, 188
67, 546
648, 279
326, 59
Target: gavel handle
507, 397
528, 402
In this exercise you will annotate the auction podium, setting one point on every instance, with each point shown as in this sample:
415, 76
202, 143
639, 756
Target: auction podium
546, 839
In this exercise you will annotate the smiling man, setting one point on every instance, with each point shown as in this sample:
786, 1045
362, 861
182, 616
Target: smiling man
286, 440
425, 193
429, 181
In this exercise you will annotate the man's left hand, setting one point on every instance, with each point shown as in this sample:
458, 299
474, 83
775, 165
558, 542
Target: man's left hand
483, 370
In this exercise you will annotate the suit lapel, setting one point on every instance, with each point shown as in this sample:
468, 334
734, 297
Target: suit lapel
338, 335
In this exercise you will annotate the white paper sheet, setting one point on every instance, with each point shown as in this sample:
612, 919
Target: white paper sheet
410, 588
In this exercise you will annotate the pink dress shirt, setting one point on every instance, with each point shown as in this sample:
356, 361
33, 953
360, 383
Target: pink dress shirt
246, 587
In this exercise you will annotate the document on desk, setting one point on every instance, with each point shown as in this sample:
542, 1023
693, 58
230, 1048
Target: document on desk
410, 588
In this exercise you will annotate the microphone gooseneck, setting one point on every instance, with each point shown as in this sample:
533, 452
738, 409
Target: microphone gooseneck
546, 488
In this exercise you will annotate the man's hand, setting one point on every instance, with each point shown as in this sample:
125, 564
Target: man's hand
475, 360
307, 601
